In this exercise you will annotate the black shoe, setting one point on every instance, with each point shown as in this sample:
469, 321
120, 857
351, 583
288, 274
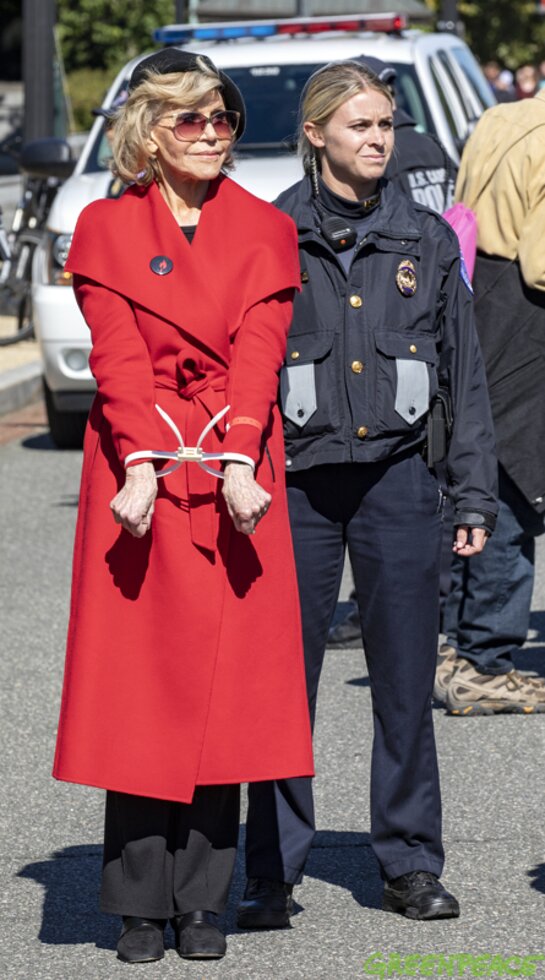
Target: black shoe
266, 904
419, 895
346, 635
141, 940
198, 936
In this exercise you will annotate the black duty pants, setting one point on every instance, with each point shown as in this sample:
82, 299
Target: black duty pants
163, 859
389, 515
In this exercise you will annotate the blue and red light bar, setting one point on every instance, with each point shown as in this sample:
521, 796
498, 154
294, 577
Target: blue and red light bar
390, 23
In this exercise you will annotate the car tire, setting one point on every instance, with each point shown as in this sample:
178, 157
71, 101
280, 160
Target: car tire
67, 428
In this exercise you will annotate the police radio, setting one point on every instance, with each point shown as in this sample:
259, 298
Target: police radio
338, 235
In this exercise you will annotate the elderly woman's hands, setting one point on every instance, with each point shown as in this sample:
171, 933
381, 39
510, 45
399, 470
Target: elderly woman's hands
246, 501
134, 504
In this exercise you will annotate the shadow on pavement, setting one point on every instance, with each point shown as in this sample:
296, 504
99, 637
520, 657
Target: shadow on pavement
41, 441
70, 913
68, 500
538, 874
70, 879
359, 681
345, 859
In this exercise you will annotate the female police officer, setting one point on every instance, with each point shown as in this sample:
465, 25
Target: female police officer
384, 318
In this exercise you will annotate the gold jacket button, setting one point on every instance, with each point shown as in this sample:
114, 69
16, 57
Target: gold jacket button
294, 355
355, 302
412, 348
357, 367
362, 432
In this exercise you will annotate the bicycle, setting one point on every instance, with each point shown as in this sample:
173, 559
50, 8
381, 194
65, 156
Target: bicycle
17, 249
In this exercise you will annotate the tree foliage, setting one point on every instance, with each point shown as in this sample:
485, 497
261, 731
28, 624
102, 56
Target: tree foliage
509, 31
104, 34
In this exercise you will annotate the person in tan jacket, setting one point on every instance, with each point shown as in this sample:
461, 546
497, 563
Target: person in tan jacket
487, 613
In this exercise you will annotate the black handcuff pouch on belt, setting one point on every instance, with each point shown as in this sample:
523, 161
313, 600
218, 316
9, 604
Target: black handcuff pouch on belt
439, 428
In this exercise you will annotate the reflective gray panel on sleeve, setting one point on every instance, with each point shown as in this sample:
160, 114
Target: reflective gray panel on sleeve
298, 392
413, 389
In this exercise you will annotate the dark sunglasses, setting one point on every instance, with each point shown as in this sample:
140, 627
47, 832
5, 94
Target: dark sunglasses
189, 126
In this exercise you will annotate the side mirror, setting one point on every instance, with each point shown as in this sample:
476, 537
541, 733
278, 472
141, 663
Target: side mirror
47, 158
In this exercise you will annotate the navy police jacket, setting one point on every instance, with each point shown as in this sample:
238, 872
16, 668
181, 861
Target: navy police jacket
368, 350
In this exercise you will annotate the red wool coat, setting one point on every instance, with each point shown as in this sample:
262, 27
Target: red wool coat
184, 662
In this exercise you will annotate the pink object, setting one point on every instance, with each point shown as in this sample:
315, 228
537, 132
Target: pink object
464, 222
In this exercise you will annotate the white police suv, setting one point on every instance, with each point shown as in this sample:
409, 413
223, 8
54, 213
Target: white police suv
438, 82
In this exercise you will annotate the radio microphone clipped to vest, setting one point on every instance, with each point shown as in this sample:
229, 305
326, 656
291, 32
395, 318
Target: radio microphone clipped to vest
338, 235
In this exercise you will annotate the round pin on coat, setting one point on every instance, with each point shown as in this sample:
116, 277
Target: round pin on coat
161, 265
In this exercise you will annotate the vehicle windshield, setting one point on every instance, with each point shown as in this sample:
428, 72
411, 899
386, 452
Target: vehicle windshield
272, 94
474, 76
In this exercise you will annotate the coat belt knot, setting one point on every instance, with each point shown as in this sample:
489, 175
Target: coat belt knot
192, 377
198, 383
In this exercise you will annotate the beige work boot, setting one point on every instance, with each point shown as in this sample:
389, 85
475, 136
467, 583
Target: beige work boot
447, 664
538, 683
472, 693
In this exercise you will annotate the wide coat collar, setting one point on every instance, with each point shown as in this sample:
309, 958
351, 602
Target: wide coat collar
212, 282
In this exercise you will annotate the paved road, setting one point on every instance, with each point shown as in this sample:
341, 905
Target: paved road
492, 773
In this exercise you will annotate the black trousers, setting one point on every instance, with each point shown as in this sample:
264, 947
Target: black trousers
389, 515
163, 859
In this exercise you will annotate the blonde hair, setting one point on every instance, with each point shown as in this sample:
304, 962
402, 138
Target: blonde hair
152, 99
328, 89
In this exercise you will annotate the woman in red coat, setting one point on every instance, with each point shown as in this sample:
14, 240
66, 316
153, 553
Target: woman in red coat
184, 673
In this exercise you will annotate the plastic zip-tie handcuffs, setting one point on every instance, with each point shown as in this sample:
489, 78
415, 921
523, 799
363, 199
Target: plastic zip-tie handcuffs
190, 454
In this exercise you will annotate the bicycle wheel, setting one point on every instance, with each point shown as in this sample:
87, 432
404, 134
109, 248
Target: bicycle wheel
18, 327
18, 324
25, 316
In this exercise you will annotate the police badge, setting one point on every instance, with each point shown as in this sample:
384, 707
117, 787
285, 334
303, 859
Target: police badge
406, 278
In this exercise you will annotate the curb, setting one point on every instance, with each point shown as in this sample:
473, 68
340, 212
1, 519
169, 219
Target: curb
19, 386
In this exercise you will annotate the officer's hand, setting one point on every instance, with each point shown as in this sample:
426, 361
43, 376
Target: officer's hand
133, 506
469, 540
246, 501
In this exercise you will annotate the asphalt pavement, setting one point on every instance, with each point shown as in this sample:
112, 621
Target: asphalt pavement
492, 776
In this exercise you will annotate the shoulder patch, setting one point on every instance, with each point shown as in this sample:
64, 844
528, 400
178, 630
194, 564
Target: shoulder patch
464, 274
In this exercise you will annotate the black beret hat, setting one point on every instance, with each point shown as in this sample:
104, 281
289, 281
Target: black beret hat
172, 60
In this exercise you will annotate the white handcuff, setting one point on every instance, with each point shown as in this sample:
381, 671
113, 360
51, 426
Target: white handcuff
190, 454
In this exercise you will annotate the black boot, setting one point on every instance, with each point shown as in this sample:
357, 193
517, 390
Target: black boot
419, 895
266, 904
